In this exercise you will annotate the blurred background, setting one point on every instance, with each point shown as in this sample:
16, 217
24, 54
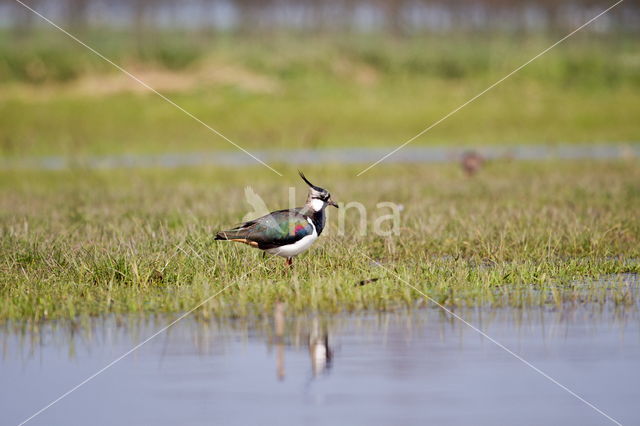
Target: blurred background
313, 74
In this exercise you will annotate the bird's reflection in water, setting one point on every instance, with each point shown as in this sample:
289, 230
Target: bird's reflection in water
318, 344
319, 349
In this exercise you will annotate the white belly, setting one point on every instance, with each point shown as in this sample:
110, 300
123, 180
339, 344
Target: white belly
296, 248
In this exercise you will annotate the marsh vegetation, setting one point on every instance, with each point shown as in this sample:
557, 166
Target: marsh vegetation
92, 242
57, 98
81, 242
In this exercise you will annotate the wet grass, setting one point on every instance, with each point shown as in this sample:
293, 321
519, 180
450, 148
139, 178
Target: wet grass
57, 98
80, 243
83, 243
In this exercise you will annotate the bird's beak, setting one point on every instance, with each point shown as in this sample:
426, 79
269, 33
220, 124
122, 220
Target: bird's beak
332, 203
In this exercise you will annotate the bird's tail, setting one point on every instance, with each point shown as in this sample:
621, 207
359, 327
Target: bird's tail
222, 235
230, 234
240, 231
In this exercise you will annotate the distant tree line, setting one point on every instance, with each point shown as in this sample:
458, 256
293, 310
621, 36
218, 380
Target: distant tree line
399, 17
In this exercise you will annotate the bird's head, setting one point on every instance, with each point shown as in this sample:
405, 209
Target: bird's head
318, 198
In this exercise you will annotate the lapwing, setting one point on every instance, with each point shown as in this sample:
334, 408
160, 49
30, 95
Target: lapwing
285, 233
471, 162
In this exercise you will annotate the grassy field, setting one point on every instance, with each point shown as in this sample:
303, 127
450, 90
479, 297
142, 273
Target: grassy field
81, 243
57, 98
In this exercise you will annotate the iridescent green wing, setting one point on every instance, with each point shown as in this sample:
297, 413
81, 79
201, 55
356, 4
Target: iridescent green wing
276, 229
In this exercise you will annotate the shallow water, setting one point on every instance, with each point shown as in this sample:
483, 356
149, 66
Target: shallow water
402, 368
410, 154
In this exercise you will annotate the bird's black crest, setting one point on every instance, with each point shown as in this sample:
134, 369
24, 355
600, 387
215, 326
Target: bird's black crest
317, 188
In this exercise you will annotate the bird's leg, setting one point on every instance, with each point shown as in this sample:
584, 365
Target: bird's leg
289, 262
